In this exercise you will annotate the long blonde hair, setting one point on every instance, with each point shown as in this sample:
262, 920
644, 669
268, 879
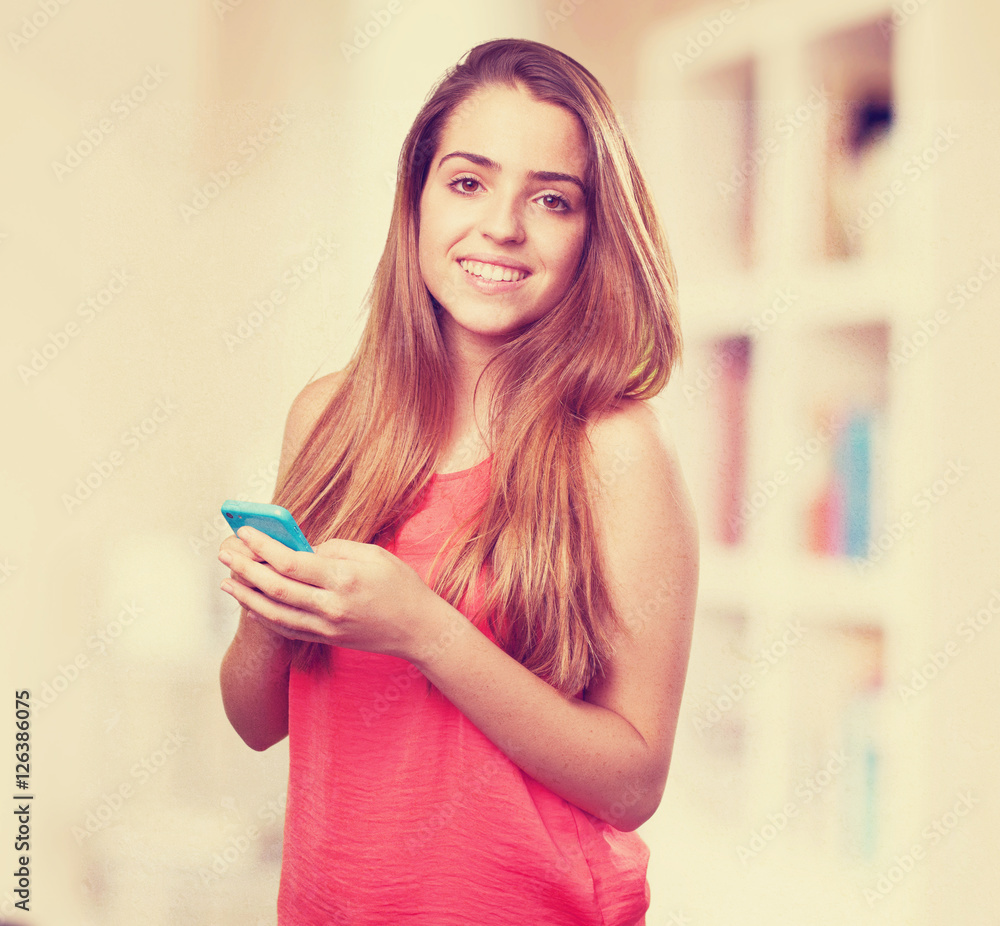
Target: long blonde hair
613, 336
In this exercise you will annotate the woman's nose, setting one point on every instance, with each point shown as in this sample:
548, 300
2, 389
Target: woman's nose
502, 219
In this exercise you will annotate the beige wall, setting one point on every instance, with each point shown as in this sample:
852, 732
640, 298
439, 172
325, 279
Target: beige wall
111, 605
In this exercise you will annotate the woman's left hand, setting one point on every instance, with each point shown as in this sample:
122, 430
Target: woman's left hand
345, 593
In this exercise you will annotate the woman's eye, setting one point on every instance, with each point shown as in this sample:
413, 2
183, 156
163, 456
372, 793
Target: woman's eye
469, 186
554, 203
464, 184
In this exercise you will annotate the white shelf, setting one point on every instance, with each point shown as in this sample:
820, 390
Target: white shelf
763, 27
822, 324
801, 299
829, 590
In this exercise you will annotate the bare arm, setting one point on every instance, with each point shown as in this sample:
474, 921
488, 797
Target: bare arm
608, 754
254, 681
255, 669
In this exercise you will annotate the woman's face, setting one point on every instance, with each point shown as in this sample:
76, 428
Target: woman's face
502, 214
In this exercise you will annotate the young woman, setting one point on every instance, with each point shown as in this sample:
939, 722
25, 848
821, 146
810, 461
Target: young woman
480, 667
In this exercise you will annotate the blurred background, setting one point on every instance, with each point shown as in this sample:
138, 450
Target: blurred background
194, 198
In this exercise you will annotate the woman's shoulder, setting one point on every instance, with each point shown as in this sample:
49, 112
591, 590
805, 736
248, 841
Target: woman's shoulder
320, 391
632, 449
632, 427
638, 494
308, 405
305, 411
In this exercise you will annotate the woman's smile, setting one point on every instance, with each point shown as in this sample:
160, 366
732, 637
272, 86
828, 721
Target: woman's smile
493, 278
493, 272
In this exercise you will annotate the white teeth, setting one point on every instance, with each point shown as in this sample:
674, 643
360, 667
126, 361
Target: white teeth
492, 272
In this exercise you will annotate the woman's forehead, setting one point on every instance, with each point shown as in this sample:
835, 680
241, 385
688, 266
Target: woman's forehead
509, 126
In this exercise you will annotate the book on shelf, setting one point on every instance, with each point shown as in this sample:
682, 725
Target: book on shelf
839, 520
734, 358
836, 744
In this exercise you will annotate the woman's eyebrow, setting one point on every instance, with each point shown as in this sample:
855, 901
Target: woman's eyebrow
549, 176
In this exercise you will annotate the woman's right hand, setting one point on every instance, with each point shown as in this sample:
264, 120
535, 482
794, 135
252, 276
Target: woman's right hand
233, 544
254, 673
255, 669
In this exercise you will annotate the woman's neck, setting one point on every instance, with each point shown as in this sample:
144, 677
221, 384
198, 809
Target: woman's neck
469, 425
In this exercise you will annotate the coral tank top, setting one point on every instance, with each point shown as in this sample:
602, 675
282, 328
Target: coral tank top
400, 811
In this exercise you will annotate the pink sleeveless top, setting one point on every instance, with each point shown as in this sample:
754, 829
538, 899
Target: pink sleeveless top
400, 811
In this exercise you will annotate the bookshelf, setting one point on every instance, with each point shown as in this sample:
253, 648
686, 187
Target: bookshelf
793, 166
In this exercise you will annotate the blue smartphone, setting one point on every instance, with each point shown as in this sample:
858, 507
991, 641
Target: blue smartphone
273, 520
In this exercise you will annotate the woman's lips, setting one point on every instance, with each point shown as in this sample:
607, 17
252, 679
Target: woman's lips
492, 278
493, 272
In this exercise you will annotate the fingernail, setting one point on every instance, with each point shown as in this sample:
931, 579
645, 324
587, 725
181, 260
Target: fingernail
225, 558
